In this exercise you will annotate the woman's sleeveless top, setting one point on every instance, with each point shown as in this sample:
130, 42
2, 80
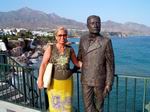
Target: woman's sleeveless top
61, 68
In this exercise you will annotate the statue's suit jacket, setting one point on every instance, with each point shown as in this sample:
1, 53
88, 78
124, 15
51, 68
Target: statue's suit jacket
98, 61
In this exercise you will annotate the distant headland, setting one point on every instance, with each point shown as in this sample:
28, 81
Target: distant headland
37, 20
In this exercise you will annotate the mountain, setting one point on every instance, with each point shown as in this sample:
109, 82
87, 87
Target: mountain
34, 19
129, 28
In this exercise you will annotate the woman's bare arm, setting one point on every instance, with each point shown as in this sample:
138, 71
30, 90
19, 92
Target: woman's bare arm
45, 60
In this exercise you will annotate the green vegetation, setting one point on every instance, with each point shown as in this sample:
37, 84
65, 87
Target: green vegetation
46, 39
27, 35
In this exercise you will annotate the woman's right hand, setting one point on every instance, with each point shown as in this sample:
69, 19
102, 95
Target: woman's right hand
40, 83
80, 64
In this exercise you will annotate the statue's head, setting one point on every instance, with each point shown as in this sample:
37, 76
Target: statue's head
94, 24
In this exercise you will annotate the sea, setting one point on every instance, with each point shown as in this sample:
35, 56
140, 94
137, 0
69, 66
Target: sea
132, 58
132, 54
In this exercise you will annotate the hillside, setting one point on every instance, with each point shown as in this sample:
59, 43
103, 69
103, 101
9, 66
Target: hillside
34, 19
129, 28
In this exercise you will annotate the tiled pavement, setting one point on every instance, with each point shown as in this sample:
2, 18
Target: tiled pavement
9, 107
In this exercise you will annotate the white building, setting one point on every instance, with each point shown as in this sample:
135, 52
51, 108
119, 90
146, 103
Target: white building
2, 46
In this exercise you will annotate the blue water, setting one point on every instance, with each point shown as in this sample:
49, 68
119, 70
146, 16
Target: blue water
132, 55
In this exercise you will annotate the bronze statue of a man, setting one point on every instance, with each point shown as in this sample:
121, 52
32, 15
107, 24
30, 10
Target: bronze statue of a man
97, 72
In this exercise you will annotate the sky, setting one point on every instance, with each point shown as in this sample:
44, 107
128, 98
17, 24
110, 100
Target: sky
120, 11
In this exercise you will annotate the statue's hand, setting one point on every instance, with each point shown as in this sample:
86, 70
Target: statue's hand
107, 89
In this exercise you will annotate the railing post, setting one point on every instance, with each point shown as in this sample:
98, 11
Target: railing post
78, 91
126, 87
108, 103
117, 93
32, 92
144, 94
134, 99
24, 85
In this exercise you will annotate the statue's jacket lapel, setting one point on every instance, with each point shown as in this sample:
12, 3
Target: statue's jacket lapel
95, 45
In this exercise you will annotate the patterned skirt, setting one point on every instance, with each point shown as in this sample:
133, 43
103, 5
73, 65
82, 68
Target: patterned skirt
60, 95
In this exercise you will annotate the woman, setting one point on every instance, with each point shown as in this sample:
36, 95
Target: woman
60, 90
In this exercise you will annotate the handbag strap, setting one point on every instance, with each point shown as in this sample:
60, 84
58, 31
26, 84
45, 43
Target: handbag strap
51, 53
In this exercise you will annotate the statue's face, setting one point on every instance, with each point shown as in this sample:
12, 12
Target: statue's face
94, 25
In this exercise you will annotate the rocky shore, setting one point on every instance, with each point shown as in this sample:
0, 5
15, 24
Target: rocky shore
26, 54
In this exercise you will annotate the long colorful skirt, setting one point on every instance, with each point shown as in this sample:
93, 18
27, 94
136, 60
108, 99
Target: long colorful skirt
60, 95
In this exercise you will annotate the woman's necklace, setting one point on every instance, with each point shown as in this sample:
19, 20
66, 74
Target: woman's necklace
60, 49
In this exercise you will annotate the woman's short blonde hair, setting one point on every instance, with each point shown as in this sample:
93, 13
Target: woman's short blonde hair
61, 28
